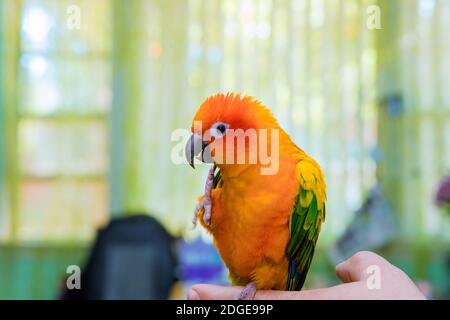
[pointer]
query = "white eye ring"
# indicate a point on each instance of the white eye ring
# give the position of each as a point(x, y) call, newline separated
point(219, 129)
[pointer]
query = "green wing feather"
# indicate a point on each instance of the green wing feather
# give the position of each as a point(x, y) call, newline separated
point(306, 220)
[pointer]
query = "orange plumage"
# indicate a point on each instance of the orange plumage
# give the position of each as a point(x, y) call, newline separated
point(264, 226)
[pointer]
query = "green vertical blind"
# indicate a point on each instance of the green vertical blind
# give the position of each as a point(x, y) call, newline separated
point(2, 137)
point(9, 50)
point(415, 140)
point(425, 75)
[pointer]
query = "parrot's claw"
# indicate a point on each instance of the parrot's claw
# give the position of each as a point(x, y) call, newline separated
point(206, 203)
point(207, 214)
point(249, 291)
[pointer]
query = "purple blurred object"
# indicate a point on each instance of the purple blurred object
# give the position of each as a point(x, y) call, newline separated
point(443, 194)
point(199, 262)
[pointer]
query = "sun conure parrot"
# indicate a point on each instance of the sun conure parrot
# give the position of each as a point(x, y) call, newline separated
point(265, 226)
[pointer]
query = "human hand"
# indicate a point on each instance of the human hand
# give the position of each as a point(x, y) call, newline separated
point(356, 273)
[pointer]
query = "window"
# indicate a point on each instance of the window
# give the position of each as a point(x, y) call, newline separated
point(61, 127)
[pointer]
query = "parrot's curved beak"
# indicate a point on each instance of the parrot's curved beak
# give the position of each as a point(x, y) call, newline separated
point(195, 148)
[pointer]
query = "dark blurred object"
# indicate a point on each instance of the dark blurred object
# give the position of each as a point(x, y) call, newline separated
point(443, 194)
point(132, 258)
point(372, 227)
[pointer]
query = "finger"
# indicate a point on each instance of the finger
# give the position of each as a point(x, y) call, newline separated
point(355, 268)
point(347, 291)
point(213, 292)
point(344, 291)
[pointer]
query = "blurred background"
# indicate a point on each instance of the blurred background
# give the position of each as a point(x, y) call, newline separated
point(91, 90)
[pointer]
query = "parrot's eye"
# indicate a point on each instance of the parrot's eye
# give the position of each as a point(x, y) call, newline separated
point(219, 129)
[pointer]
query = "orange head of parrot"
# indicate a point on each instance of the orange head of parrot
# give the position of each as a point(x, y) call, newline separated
point(228, 129)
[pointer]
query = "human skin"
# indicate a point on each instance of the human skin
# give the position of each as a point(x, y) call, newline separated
point(354, 273)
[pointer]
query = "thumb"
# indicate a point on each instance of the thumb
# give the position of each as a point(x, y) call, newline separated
point(356, 267)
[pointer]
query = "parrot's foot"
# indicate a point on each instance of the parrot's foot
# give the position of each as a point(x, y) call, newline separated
point(206, 203)
point(249, 291)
